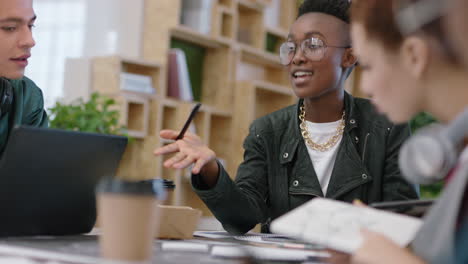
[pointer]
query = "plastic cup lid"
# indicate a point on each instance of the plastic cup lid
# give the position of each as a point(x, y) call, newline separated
point(115, 185)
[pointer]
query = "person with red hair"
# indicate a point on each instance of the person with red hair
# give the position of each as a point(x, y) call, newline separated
point(410, 66)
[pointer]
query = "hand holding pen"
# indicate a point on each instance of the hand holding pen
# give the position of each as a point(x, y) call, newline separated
point(189, 149)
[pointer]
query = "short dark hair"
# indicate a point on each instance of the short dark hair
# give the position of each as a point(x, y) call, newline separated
point(336, 8)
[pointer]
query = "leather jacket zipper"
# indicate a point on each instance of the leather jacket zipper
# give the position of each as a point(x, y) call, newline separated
point(365, 147)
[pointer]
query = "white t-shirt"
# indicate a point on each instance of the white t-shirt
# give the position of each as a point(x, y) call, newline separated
point(323, 161)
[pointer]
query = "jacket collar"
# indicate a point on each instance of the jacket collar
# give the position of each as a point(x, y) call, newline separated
point(351, 114)
point(351, 121)
point(347, 159)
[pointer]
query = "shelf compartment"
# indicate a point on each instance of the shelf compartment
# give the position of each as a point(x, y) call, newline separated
point(210, 71)
point(274, 37)
point(287, 15)
point(201, 124)
point(189, 35)
point(137, 116)
point(160, 16)
point(134, 113)
point(255, 5)
point(221, 130)
point(226, 3)
point(259, 56)
point(254, 99)
point(106, 74)
point(277, 99)
point(250, 29)
point(138, 161)
point(218, 73)
point(256, 64)
point(169, 118)
point(226, 24)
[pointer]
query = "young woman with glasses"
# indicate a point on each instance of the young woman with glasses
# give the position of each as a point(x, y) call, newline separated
point(410, 66)
point(329, 144)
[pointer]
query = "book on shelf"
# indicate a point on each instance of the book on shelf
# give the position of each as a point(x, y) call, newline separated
point(196, 14)
point(136, 83)
point(179, 85)
point(195, 57)
point(173, 89)
point(337, 225)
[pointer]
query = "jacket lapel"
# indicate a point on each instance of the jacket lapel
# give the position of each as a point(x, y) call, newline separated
point(303, 169)
point(348, 171)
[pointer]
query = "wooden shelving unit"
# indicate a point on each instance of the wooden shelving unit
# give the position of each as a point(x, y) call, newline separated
point(240, 81)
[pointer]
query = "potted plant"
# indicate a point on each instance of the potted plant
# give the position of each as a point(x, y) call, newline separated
point(97, 115)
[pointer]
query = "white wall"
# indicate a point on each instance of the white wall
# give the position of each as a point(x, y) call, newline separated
point(76, 29)
point(114, 27)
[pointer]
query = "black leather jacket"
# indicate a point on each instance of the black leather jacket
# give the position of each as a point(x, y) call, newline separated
point(277, 174)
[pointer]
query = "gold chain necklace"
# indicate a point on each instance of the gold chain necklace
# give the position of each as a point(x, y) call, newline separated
point(327, 145)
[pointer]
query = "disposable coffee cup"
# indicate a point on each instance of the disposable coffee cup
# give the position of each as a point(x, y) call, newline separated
point(128, 216)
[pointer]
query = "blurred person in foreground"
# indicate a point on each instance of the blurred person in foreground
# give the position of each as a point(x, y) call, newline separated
point(407, 69)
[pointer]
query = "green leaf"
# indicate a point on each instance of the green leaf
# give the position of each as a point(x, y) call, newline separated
point(93, 115)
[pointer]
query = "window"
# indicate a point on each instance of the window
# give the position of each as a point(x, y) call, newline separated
point(59, 34)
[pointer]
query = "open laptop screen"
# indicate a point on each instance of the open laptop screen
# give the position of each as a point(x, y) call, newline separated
point(47, 180)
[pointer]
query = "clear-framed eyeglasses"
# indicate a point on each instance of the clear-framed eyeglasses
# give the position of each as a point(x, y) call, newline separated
point(313, 49)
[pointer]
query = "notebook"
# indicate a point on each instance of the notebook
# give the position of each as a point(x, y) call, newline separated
point(338, 225)
point(48, 177)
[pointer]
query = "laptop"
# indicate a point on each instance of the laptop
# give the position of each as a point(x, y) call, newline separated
point(48, 179)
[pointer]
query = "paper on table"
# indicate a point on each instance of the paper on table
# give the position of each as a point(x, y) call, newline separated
point(185, 246)
point(228, 251)
point(257, 237)
point(338, 225)
point(265, 253)
point(16, 260)
point(43, 254)
point(212, 242)
point(212, 234)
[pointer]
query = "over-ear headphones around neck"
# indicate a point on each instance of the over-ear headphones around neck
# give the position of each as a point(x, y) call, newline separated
point(432, 152)
point(6, 96)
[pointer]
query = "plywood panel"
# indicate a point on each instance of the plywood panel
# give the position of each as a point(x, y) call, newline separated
point(106, 75)
point(217, 78)
point(250, 28)
point(160, 17)
point(243, 115)
point(221, 133)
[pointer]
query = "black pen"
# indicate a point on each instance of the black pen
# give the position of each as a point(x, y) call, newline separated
point(189, 120)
